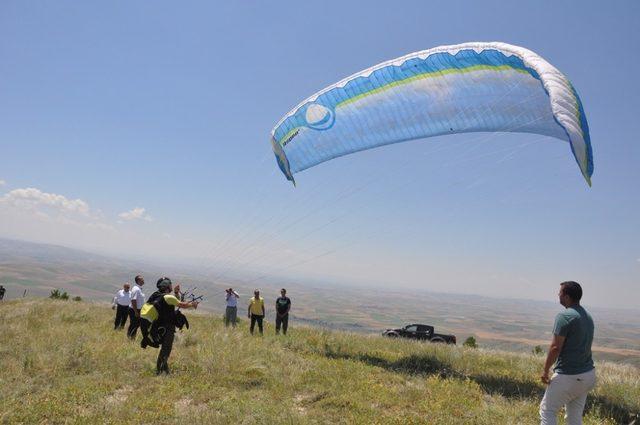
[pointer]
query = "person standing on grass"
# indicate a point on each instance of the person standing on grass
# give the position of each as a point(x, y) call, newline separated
point(283, 305)
point(231, 312)
point(121, 303)
point(158, 317)
point(137, 301)
point(574, 374)
point(256, 311)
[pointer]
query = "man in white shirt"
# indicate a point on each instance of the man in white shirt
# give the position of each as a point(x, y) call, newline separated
point(231, 312)
point(137, 301)
point(121, 305)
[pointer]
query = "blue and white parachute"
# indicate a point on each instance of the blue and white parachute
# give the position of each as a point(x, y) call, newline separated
point(471, 87)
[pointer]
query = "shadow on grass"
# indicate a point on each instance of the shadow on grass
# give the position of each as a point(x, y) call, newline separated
point(495, 385)
point(412, 365)
point(610, 409)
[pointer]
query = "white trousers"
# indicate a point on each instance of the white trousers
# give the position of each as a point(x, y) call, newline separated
point(569, 391)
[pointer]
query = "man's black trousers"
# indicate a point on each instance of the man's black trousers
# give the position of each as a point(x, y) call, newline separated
point(162, 365)
point(284, 321)
point(134, 323)
point(255, 318)
point(122, 311)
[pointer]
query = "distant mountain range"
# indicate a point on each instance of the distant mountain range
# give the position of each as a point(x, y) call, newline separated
point(39, 268)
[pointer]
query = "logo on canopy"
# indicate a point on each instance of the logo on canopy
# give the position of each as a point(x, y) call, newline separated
point(319, 117)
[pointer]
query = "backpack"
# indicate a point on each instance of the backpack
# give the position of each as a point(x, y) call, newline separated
point(167, 316)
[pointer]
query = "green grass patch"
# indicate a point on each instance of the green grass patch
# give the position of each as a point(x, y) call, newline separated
point(61, 362)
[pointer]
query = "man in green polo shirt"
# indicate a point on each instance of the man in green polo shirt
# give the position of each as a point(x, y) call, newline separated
point(570, 350)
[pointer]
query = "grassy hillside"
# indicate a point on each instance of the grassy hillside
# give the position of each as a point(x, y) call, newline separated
point(60, 362)
point(506, 324)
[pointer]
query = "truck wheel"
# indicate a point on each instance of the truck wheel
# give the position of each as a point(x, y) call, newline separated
point(392, 335)
point(438, 340)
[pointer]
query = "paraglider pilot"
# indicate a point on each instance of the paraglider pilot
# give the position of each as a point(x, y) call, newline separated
point(159, 324)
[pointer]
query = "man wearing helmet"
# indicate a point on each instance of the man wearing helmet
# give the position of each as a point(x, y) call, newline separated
point(160, 321)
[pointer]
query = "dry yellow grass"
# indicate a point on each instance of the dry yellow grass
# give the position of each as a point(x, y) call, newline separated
point(60, 362)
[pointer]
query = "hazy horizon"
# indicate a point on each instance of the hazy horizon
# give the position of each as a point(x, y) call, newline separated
point(200, 271)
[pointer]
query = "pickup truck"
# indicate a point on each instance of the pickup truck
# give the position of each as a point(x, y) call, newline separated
point(421, 332)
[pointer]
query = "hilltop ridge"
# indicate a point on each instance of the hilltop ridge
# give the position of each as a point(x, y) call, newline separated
point(63, 363)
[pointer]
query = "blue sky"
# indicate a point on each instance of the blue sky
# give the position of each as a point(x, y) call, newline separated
point(142, 128)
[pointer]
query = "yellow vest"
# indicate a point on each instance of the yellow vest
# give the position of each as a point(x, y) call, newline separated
point(150, 313)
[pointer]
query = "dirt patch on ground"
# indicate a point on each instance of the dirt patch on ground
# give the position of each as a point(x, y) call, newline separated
point(186, 407)
point(119, 396)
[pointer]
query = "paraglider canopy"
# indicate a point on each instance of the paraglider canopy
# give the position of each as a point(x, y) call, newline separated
point(471, 87)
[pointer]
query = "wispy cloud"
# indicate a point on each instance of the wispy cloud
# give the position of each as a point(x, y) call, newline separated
point(138, 213)
point(51, 208)
point(33, 214)
point(2, 182)
point(35, 200)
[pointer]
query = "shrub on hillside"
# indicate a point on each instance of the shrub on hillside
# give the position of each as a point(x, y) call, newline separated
point(470, 342)
point(537, 350)
point(77, 298)
point(59, 294)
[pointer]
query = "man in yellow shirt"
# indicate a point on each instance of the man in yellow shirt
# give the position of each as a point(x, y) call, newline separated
point(256, 311)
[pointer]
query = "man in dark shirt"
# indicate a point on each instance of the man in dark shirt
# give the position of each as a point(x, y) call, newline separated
point(570, 350)
point(283, 305)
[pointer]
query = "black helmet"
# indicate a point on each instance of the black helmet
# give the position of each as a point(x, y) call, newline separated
point(163, 283)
